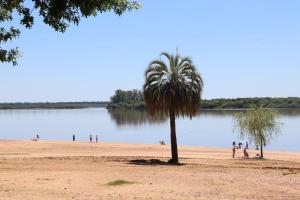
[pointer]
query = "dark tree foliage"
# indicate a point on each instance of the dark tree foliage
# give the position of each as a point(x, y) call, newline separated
point(58, 14)
point(131, 96)
point(131, 99)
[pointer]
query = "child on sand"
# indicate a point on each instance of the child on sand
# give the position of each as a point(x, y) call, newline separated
point(257, 156)
point(246, 154)
point(240, 145)
point(233, 149)
point(161, 142)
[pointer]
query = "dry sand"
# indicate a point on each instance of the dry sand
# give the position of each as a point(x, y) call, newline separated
point(65, 170)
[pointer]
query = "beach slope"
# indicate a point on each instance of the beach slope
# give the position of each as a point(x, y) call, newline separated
point(66, 170)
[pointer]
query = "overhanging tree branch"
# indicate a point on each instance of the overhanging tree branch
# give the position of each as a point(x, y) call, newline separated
point(58, 14)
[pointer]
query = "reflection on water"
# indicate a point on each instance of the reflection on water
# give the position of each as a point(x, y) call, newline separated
point(289, 112)
point(138, 118)
point(134, 117)
point(207, 128)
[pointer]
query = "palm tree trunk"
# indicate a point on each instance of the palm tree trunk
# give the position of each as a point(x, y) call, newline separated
point(261, 149)
point(173, 138)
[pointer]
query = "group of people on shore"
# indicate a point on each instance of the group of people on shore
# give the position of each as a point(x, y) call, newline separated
point(37, 138)
point(91, 138)
point(234, 145)
point(240, 146)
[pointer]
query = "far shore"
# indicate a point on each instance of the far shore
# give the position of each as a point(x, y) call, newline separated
point(52, 105)
point(206, 104)
point(82, 170)
point(122, 109)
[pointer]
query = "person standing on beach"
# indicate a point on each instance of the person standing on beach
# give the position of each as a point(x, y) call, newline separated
point(233, 149)
point(91, 138)
point(73, 137)
point(37, 137)
point(247, 146)
point(96, 138)
point(240, 145)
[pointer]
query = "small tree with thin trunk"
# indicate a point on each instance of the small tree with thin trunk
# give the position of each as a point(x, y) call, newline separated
point(173, 88)
point(258, 125)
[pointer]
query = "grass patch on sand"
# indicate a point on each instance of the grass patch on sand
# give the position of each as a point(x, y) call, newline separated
point(119, 182)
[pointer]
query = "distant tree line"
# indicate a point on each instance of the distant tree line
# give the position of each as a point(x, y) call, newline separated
point(133, 99)
point(57, 105)
point(246, 103)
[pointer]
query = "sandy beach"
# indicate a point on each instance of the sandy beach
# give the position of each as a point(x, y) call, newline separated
point(83, 171)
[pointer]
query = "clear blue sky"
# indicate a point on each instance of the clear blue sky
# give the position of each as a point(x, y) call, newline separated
point(242, 49)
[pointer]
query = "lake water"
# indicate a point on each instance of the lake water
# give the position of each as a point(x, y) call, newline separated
point(208, 128)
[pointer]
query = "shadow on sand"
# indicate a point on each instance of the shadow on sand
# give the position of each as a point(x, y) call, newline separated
point(152, 162)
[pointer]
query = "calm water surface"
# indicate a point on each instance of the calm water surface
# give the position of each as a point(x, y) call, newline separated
point(209, 128)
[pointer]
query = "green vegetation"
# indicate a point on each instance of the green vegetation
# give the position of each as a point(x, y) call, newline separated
point(173, 88)
point(58, 14)
point(58, 105)
point(127, 100)
point(239, 103)
point(260, 125)
point(119, 183)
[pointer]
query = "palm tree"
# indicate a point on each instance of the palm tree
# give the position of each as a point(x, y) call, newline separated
point(173, 88)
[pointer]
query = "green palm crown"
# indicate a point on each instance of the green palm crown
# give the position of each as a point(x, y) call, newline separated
point(173, 86)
